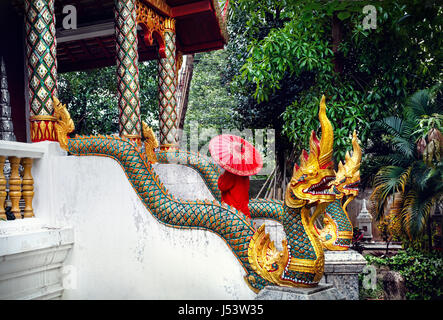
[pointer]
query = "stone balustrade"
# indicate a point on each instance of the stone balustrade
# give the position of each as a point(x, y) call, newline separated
point(18, 184)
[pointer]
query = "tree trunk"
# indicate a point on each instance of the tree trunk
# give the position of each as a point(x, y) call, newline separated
point(183, 93)
point(337, 37)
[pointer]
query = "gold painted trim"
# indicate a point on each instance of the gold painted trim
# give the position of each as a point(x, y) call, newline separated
point(131, 136)
point(168, 146)
point(64, 124)
point(159, 5)
point(169, 24)
point(150, 142)
point(42, 118)
point(307, 265)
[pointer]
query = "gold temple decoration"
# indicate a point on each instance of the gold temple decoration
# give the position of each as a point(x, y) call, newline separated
point(266, 260)
point(15, 186)
point(315, 168)
point(42, 128)
point(151, 20)
point(27, 187)
point(136, 138)
point(170, 24)
point(150, 142)
point(2, 188)
point(346, 182)
point(348, 175)
point(64, 124)
point(327, 136)
point(309, 185)
point(160, 5)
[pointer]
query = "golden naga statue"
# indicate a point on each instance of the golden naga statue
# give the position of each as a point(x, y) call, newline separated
point(64, 124)
point(302, 257)
point(299, 264)
point(150, 142)
point(337, 231)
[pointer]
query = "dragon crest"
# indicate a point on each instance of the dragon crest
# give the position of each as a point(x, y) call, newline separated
point(347, 177)
point(309, 186)
point(310, 181)
point(150, 142)
point(336, 233)
point(64, 124)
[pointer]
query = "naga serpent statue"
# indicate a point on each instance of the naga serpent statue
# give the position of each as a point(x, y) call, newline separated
point(300, 263)
point(336, 234)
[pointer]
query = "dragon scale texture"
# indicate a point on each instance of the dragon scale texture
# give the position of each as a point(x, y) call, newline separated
point(230, 224)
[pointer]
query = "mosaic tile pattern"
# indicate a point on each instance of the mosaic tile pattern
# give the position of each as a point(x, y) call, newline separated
point(128, 86)
point(300, 244)
point(205, 166)
point(167, 92)
point(42, 67)
point(225, 221)
point(342, 222)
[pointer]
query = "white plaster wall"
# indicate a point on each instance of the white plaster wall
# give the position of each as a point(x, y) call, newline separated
point(121, 251)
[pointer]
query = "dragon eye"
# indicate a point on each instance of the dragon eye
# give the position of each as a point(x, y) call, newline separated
point(302, 178)
point(343, 181)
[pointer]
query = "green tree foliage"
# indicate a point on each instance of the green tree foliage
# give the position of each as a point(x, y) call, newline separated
point(299, 50)
point(422, 272)
point(91, 98)
point(210, 103)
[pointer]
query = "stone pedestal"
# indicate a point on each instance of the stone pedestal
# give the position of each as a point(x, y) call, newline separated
point(342, 269)
point(320, 292)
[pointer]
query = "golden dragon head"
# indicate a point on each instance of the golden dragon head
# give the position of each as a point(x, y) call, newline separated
point(150, 142)
point(64, 124)
point(310, 181)
point(347, 177)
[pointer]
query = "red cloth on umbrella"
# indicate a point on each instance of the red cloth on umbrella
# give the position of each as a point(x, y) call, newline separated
point(235, 155)
point(235, 191)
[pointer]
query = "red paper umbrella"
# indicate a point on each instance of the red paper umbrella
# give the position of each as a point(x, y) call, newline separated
point(235, 155)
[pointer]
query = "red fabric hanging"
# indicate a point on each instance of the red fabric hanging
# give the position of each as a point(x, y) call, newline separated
point(235, 191)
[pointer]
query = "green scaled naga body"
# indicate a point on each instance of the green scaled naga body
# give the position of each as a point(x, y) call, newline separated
point(301, 261)
point(336, 234)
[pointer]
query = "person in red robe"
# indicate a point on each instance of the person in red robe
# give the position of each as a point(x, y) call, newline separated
point(235, 191)
point(240, 160)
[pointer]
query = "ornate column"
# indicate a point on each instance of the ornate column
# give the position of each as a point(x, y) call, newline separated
point(15, 186)
point(27, 187)
point(128, 86)
point(167, 69)
point(42, 67)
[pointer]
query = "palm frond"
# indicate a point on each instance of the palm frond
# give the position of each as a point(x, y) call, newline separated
point(390, 125)
point(387, 181)
point(392, 178)
point(404, 146)
point(419, 105)
point(393, 159)
point(415, 212)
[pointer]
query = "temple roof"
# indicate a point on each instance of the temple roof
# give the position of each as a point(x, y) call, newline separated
point(199, 27)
